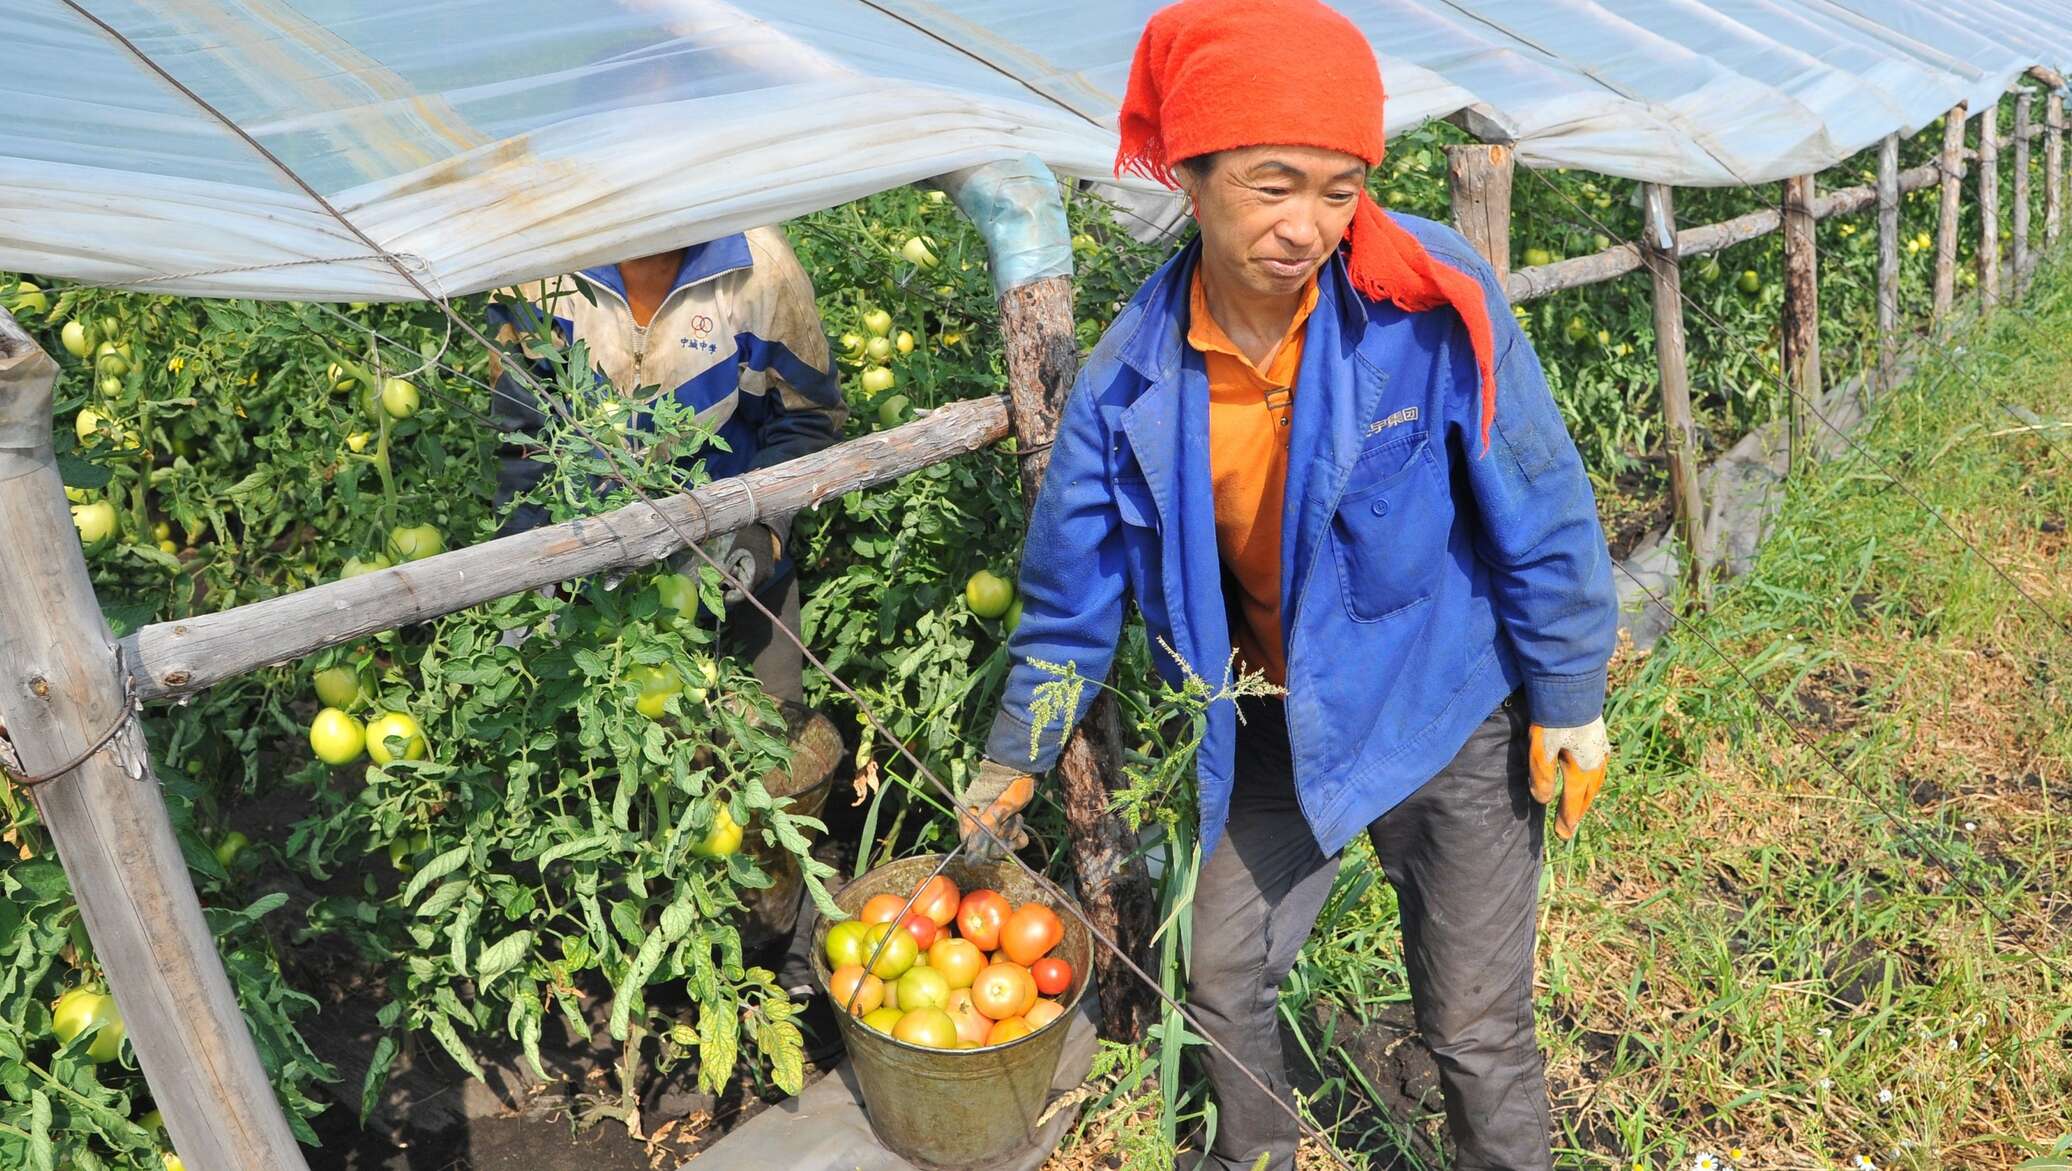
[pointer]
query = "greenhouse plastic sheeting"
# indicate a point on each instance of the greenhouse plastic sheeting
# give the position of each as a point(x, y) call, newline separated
point(487, 141)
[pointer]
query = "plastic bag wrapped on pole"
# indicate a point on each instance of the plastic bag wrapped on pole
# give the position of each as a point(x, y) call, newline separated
point(1016, 207)
point(479, 143)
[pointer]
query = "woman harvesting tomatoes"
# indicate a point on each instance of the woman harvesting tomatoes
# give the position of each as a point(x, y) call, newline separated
point(1317, 439)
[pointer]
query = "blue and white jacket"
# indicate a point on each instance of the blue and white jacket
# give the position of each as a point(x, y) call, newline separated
point(738, 338)
point(1423, 579)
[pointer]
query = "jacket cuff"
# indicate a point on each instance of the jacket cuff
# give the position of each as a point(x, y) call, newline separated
point(1008, 744)
point(1565, 701)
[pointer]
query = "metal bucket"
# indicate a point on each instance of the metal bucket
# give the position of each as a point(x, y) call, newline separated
point(958, 1109)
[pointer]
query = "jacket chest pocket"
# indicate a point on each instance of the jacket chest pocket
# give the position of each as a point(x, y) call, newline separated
point(1388, 533)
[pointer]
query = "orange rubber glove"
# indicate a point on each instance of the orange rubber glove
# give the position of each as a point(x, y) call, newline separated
point(996, 797)
point(1577, 756)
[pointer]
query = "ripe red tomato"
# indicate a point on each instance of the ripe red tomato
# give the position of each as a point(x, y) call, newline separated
point(980, 917)
point(1052, 975)
point(938, 900)
point(852, 981)
point(881, 908)
point(1030, 932)
point(972, 1025)
point(921, 928)
point(1003, 991)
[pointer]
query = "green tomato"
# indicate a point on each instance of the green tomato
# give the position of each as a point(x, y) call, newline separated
point(1013, 618)
point(30, 299)
point(355, 566)
point(877, 322)
point(337, 738)
point(1709, 271)
point(923, 987)
point(339, 377)
point(399, 398)
point(84, 1009)
point(679, 593)
point(988, 594)
point(657, 684)
point(894, 410)
point(1750, 282)
point(1534, 257)
point(852, 344)
point(899, 954)
point(231, 845)
point(78, 338)
point(340, 687)
point(415, 542)
point(96, 522)
point(1577, 329)
point(401, 851)
point(388, 729)
point(877, 380)
point(904, 343)
point(724, 836)
point(919, 251)
point(845, 945)
point(878, 349)
point(87, 425)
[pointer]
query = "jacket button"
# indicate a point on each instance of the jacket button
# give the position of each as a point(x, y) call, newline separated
point(1381, 508)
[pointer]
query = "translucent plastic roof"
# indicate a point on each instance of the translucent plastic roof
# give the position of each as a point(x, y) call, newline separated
point(488, 141)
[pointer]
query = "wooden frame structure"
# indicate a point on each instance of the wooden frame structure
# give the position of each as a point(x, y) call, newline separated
point(68, 688)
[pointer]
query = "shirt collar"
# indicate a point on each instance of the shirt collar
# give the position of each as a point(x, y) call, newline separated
point(1205, 335)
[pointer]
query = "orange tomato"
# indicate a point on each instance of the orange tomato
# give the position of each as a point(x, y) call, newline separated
point(972, 1025)
point(938, 900)
point(1012, 1029)
point(931, 1028)
point(1052, 975)
point(843, 984)
point(1043, 1012)
point(980, 916)
point(1003, 990)
point(958, 960)
point(1030, 932)
point(881, 908)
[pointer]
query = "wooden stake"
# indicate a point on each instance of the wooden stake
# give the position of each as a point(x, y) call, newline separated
point(1989, 207)
point(1952, 167)
point(60, 693)
point(1801, 323)
point(2023, 103)
point(1658, 237)
point(167, 659)
point(1888, 260)
point(1478, 176)
point(1114, 885)
point(2053, 168)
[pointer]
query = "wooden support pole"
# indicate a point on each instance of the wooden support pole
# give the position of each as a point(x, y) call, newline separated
point(1478, 177)
point(1888, 260)
point(2024, 103)
point(60, 692)
point(1952, 167)
point(1114, 884)
point(1801, 322)
point(2053, 168)
point(1989, 207)
point(167, 659)
point(1658, 237)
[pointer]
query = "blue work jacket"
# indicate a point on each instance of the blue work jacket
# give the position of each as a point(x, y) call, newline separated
point(1424, 578)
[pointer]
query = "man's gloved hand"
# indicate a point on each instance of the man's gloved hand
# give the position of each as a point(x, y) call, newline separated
point(1578, 755)
point(996, 797)
point(748, 556)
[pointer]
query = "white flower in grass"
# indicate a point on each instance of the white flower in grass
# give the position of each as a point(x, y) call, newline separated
point(1863, 1163)
point(1952, 1044)
point(1827, 1083)
point(1970, 826)
point(1706, 1161)
point(1884, 1097)
point(1824, 1031)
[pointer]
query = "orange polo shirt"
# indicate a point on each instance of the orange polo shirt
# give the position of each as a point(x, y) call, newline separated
point(1250, 412)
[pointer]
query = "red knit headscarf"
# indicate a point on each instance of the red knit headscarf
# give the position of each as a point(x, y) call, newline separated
point(1214, 75)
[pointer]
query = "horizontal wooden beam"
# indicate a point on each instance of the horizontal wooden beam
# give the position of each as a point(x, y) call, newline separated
point(168, 659)
point(1524, 284)
point(2047, 76)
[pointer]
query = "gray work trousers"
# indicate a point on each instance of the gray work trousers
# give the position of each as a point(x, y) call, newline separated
point(1463, 853)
